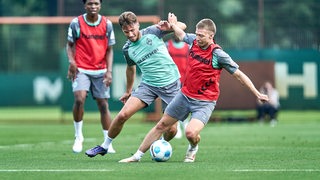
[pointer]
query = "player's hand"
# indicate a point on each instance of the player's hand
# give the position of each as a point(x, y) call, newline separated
point(164, 26)
point(172, 19)
point(263, 98)
point(107, 79)
point(125, 97)
point(72, 71)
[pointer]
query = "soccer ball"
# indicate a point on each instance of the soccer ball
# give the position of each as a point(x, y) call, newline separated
point(160, 151)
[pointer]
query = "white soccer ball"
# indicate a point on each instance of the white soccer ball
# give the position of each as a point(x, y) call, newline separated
point(160, 151)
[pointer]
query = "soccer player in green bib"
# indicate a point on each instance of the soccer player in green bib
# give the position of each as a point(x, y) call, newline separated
point(160, 76)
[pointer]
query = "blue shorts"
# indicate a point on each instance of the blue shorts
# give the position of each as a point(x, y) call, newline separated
point(92, 83)
point(149, 94)
point(181, 106)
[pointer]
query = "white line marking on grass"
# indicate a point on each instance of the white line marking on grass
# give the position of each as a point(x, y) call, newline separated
point(276, 170)
point(48, 143)
point(56, 170)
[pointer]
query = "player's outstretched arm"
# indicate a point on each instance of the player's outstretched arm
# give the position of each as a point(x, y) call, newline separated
point(244, 79)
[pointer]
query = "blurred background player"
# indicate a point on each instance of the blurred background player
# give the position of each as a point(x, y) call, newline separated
point(179, 50)
point(90, 54)
point(268, 109)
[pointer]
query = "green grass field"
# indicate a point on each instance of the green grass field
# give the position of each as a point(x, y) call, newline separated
point(36, 144)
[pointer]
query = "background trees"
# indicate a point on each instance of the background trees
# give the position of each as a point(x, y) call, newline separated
point(242, 24)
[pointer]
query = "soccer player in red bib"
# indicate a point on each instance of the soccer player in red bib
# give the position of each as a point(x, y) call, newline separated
point(200, 90)
point(90, 54)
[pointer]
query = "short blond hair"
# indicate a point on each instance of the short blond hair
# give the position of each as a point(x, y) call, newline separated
point(207, 24)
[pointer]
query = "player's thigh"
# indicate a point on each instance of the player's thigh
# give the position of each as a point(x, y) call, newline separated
point(145, 93)
point(167, 121)
point(201, 110)
point(98, 87)
point(132, 105)
point(167, 93)
point(81, 83)
point(178, 108)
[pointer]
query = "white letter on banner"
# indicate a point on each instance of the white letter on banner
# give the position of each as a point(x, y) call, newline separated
point(43, 88)
point(307, 80)
point(119, 81)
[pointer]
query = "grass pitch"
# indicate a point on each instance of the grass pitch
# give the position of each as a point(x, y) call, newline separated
point(41, 149)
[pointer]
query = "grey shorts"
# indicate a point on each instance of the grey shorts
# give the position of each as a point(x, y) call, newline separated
point(181, 106)
point(92, 83)
point(148, 94)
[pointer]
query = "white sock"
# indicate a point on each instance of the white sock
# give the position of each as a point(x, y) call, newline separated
point(105, 133)
point(138, 155)
point(106, 143)
point(78, 129)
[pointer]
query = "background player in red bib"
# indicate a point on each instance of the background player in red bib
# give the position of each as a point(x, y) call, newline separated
point(200, 90)
point(90, 54)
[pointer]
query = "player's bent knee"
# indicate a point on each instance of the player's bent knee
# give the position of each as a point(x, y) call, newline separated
point(191, 135)
point(78, 102)
point(172, 130)
point(122, 117)
point(162, 127)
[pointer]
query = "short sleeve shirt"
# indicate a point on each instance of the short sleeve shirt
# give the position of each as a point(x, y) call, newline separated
point(220, 58)
point(150, 54)
point(74, 30)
